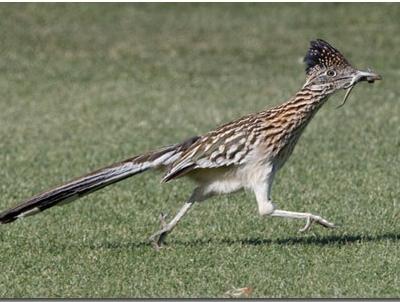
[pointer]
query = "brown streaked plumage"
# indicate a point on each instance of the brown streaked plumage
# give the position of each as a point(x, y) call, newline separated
point(243, 154)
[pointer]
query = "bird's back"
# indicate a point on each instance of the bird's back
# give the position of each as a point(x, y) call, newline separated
point(267, 137)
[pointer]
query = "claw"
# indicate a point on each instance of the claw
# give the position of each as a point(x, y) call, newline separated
point(329, 225)
point(157, 239)
point(325, 223)
point(308, 225)
point(311, 219)
point(163, 220)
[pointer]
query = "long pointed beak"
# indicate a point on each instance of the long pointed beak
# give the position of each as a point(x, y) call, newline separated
point(368, 76)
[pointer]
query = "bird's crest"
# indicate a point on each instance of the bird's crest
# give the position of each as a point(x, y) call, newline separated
point(322, 55)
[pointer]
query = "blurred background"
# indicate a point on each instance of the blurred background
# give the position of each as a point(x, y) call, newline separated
point(86, 85)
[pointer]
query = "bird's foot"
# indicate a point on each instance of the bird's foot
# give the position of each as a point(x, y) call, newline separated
point(157, 239)
point(163, 220)
point(314, 218)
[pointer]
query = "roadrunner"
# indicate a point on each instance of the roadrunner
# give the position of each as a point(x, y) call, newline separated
point(243, 154)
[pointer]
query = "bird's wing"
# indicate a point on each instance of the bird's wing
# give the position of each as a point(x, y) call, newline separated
point(228, 145)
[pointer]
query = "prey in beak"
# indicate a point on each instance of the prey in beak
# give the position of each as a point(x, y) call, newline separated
point(360, 76)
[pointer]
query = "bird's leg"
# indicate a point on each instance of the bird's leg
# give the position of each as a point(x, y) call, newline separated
point(310, 218)
point(157, 238)
point(262, 191)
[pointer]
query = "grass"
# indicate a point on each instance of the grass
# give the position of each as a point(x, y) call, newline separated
point(85, 85)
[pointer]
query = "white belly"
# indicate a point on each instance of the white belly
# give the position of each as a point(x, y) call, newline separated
point(225, 180)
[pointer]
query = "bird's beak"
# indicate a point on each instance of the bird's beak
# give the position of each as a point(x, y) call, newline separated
point(360, 76)
point(368, 76)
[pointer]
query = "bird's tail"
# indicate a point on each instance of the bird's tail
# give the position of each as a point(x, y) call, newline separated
point(94, 181)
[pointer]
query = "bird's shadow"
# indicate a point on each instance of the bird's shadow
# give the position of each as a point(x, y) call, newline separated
point(340, 240)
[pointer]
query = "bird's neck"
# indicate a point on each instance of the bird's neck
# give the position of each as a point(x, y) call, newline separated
point(298, 111)
point(308, 100)
point(304, 104)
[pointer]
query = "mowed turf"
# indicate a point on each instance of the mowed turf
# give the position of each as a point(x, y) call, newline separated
point(86, 85)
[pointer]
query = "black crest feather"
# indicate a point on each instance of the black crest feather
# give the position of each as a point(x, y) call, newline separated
point(323, 55)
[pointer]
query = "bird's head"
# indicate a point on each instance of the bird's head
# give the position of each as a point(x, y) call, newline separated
point(328, 70)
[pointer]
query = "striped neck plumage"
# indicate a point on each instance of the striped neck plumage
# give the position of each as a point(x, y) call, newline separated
point(309, 98)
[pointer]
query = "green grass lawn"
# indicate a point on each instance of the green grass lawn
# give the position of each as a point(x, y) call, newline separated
point(86, 85)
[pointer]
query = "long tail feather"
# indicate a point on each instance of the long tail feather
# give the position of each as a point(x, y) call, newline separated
point(94, 181)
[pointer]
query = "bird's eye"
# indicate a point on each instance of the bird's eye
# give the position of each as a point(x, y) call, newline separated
point(331, 73)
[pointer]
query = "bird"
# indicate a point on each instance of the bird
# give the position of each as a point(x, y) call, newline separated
point(244, 154)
